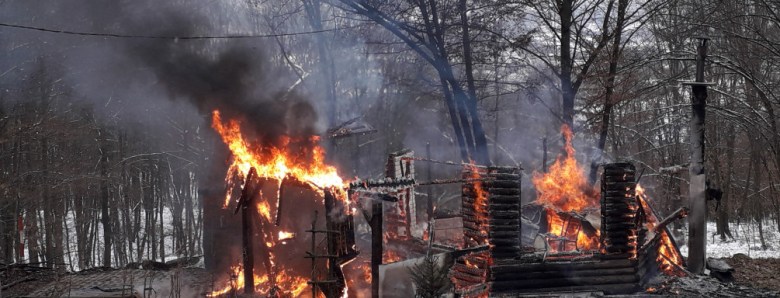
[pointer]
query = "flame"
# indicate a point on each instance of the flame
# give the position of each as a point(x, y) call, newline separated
point(285, 235)
point(651, 290)
point(480, 204)
point(390, 256)
point(300, 159)
point(668, 257)
point(566, 228)
point(264, 209)
point(273, 162)
point(290, 285)
point(564, 188)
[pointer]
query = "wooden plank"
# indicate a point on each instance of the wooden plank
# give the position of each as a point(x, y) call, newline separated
point(564, 282)
point(509, 276)
point(603, 264)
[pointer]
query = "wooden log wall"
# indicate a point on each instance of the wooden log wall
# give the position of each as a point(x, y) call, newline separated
point(503, 186)
point(618, 209)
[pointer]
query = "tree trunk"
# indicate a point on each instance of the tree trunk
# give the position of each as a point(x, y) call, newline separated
point(606, 114)
point(105, 214)
point(567, 91)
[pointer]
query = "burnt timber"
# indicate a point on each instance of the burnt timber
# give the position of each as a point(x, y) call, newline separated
point(503, 267)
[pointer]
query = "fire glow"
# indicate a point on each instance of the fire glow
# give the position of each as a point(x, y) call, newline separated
point(288, 160)
point(565, 188)
point(480, 204)
point(668, 257)
point(273, 162)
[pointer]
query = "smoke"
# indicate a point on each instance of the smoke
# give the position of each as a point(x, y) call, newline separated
point(231, 76)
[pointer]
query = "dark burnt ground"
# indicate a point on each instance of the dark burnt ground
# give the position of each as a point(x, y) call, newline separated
point(756, 273)
point(21, 279)
point(752, 278)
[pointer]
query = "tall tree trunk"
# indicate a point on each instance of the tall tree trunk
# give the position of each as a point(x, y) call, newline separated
point(480, 141)
point(161, 206)
point(565, 11)
point(606, 114)
point(32, 235)
point(105, 214)
point(327, 69)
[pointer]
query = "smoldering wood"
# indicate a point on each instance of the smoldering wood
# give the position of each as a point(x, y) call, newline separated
point(340, 244)
point(680, 213)
point(375, 223)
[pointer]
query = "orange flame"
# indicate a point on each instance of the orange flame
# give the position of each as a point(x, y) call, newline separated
point(285, 235)
point(271, 162)
point(287, 159)
point(390, 256)
point(565, 188)
point(668, 257)
point(290, 285)
point(480, 204)
point(264, 209)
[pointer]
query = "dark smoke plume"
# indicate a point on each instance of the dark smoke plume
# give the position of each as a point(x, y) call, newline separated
point(231, 76)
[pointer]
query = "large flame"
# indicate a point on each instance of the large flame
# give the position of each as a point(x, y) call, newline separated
point(564, 188)
point(287, 159)
point(274, 162)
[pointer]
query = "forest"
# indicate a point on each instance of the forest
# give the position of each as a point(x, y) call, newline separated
point(110, 156)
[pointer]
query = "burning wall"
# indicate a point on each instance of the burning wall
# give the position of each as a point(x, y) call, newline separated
point(608, 240)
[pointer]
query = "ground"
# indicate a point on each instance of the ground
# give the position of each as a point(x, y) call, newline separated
point(757, 273)
point(39, 282)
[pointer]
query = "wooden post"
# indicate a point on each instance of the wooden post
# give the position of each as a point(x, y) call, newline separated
point(428, 191)
point(246, 205)
point(697, 221)
point(376, 246)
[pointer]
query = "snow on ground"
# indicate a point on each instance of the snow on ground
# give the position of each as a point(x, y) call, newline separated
point(71, 244)
point(746, 241)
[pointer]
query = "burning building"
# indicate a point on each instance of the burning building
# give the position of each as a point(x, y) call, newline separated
point(285, 189)
point(573, 237)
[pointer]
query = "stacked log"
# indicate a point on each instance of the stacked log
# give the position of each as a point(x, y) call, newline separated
point(618, 276)
point(469, 274)
point(618, 209)
point(504, 224)
point(473, 208)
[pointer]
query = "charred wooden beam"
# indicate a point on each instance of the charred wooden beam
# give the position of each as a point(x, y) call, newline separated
point(382, 183)
point(376, 246)
point(246, 206)
point(678, 214)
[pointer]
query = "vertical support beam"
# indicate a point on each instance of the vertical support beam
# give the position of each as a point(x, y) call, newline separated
point(428, 189)
point(313, 251)
point(246, 231)
point(376, 246)
point(697, 222)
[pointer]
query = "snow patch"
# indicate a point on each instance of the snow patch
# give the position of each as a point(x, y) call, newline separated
point(746, 241)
